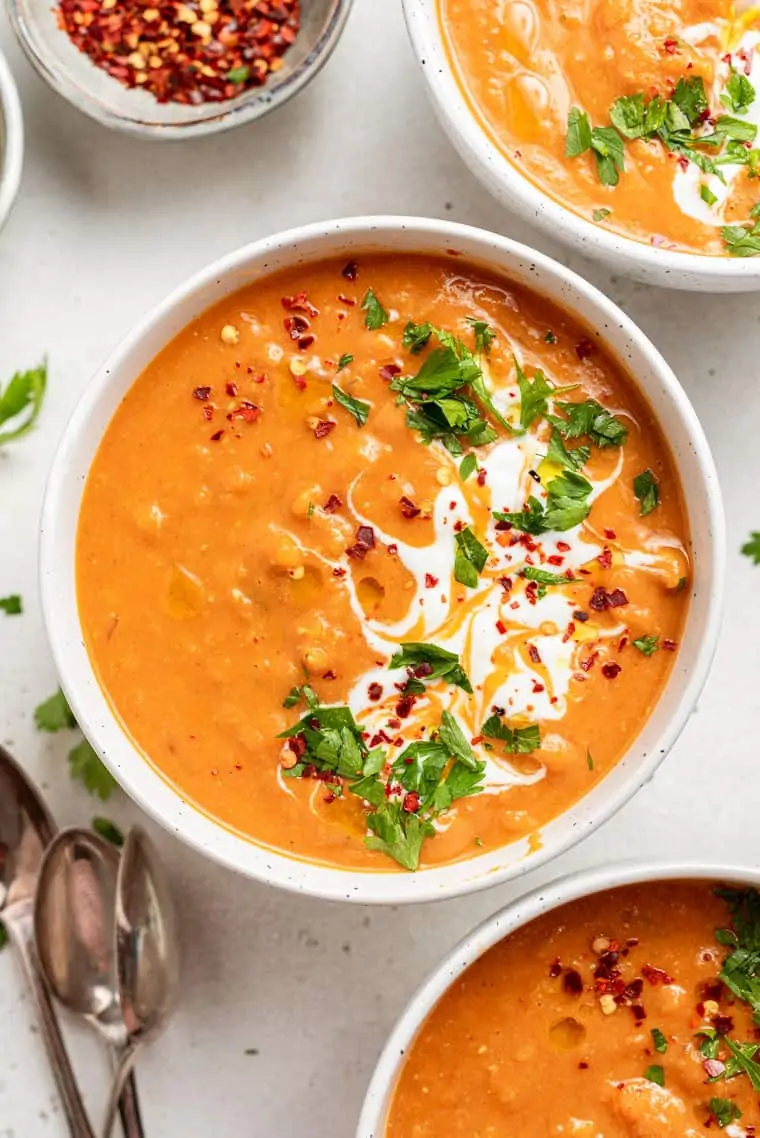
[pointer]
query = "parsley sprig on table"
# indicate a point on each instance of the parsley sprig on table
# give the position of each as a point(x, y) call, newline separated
point(54, 715)
point(21, 402)
point(403, 796)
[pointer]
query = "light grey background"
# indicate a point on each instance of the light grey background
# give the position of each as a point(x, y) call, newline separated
point(105, 227)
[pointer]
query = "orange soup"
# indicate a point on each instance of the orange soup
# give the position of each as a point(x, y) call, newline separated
point(628, 1014)
point(383, 563)
point(640, 115)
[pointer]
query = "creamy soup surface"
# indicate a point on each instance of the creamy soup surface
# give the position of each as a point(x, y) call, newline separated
point(383, 563)
point(628, 1014)
point(669, 88)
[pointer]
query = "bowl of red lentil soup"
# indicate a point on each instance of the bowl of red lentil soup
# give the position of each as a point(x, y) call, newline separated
point(413, 650)
point(181, 68)
point(11, 141)
point(620, 1001)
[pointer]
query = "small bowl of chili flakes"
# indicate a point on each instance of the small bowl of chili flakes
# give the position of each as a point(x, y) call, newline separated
point(177, 68)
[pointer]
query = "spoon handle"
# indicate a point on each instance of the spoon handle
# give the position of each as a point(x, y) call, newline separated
point(120, 1089)
point(18, 921)
point(129, 1109)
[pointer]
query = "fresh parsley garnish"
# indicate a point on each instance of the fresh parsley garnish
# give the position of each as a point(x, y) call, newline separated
point(739, 94)
point(239, 74)
point(707, 195)
point(468, 466)
point(355, 407)
point(604, 142)
point(566, 506)
point(484, 335)
point(302, 692)
point(592, 419)
point(751, 548)
point(375, 315)
point(534, 396)
point(659, 1040)
point(740, 240)
point(21, 402)
point(108, 830)
point(54, 714)
point(11, 605)
point(589, 759)
point(544, 578)
point(442, 664)
point(518, 740)
point(647, 645)
point(647, 490)
point(601, 214)
point(724, 1111)
point(344, 361)
point(743, 1061)
point(416, 337)
point(655, 1074)
point(573, 458)
point(470, 558)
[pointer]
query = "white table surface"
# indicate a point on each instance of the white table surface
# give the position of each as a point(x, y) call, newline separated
point(105, 226)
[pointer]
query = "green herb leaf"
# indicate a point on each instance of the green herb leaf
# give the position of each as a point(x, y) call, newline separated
point(601, 214)
point(647, 645)
point(659, 1040)
point(647, 490)
point(519, 740)
point(416, 337)
point(739, 241)
point(724, 1111)
point(468, 466)
point(86, 767)
point(707, 195)
point(11, 605)
point(655, 1074)
point(549, 337)
point(751, 548)
point(534, 396)
point(108, 830)
point(743, 1061)
point(571, 458)
point(590, 418)
point(344, 361)
point(304, 692)
point(578, 138)
point(21, 402)
point(470, 558)
point(531, 519)
point(54, 714)
point(609, 152)
point(530, 573)
point(355, 407)
point(445, 665)
point(567, 504)
point(398, 833)
point(376, 316)
point(238, 74)
point(589, 759)
point(484, 335)
point(739, 94)
point(690, 98)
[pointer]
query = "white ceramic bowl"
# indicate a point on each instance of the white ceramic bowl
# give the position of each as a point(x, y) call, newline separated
point(11, 141)
point(302, 246)
point(90, 89)
point(643, 262)
point(379, 1097)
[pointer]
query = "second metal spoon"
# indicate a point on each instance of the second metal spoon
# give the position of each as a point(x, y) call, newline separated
point(75, 930)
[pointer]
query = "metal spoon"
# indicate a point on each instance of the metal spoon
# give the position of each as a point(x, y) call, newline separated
point(26, 828)
point(75, 927)
point(147, 951)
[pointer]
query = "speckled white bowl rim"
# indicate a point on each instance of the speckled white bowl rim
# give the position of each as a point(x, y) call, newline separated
point(347, 238)
point(646, 263)
point(583, 883)
point(12, 143)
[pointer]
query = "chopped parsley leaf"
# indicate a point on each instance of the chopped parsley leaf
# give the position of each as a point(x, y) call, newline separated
point(444, 664)
point(305, 693)
point(743, 1061)
point(470, 558)
point(655, 1074)
point(572, 458)
point(355, 407)
point(659, 1040)
point(54, 714)
point(11, 605)
point(238, 74)
point(310, 510)
point(484, 335)
point(21, 402)
point(647, 490)
point(417, 336)
point(609, 152)
point(549, 337)
point(740, 240)
point(739, 94)
point(724, 1111)
point(3, 936)
point(647, 645)
point(578, 137)
point(534, 396)
point(707, 195)
point(519, 740)
point(592, 419)
point(589, 759)
point(751, 548)
point(566, 506)
point(601, 214)
point(344, 361)
point(376, 316)
point(544, 578)
point(108, 830)
point(468, 466)
point(86, 767)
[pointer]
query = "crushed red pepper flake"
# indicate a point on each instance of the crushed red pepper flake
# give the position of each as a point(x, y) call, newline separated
point(669, 645)
point(430, 581)
point(299, 303)
point(323, 428)
point(231, 389)
point(601, 599)
point(375, 692)
point(208, 412)
point(408, 508)
point(202, 393)
point(611, 670)
point(216, 436)
point(605, 558)
point(350, 271)
point(180, 53)
point(655, 976)
point(389, 371)
point(584, 349)
point(332, 504)
point(246, 411)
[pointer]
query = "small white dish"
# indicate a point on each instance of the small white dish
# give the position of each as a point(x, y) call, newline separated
point(374, 1115)
point(647, 263)
point(299, 247)
point(11, 141)
point(103, 98)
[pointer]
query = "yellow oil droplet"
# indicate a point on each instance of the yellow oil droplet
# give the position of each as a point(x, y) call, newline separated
point(185, 594)
point(567, 1034)
point(371, 595)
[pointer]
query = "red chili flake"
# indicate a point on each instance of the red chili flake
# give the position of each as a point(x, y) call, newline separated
point(365, 535)
point(501, 627)
point(346, 300)
point(480, 478)
point(533, 652)
point(350, 271)
point(655, 976)
point(506, 584)
point(216, 436)
point(572, 982)
point(581, 616)
point(408, 508)
point(299, 303)
point(568, 632)
point(332, 504)
point(537, 687)
point(231, 389)
point(555, 968)
point(305, 342)
point(583, 1065)
point(531, 591)
point(330, 798)
point(404, 706)
point(589, 662)
point(389, 371)
point(670, 46)
point(430, 581)
point(248, 412)
point(713, 1068)
point(411, 803)
point(204, 61)
point(563, 547)
point(201, 393)
point(375, 692)
point(605, 558)
point(422, 670)
point(601, 599)
point(584, 349)
point(611, 670)
point(295, 326)
point(724, 1025)
point(297, 745)
point(610, 534)
point(555, 559)
point(208, 413)
point(329, 675)
point(669, 645)
point(323, 428)
point(300, 382)
point(338, 572)
point(393, 549)
point(639, 1013)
